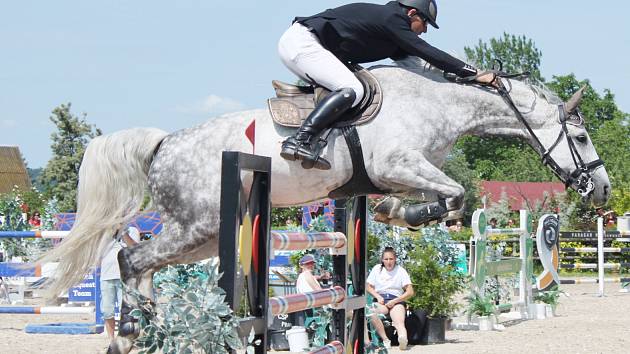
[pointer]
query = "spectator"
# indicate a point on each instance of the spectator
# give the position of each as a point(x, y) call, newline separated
point(390, 286)
point(308, 282)
point(510, 224)
point(457, 227)
point(35, 221)
point(111, 286)
point(493, 223)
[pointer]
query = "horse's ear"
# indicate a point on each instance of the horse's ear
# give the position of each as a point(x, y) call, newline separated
point(573, 102)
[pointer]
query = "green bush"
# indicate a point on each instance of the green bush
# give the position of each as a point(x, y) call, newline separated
point(434, 283)
point(191, 316)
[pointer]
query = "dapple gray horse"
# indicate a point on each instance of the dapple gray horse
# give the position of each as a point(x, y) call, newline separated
point(421, 118)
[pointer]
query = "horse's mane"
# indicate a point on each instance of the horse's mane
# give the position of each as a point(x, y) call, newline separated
point(425, 69)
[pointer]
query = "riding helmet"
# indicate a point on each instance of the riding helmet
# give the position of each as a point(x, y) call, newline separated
point(427, 8)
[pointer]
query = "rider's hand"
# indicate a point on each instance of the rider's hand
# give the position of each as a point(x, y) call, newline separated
point(487, 78)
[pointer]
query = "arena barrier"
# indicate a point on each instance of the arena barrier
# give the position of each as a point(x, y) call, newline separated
point(601, 266)
point(481, 268)
point(24, 270)
point(245, 243)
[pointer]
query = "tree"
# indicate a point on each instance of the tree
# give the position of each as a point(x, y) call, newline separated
point(518, 54)
point(61, 174)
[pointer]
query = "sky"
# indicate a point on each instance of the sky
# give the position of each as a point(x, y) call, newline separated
point(175, 64)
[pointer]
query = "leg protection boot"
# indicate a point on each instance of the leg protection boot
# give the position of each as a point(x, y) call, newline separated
point(303, 145)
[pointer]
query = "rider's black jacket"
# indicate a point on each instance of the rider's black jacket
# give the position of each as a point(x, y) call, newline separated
point(361, 33)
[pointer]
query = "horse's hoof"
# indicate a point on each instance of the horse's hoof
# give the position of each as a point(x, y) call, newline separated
point(388, 206)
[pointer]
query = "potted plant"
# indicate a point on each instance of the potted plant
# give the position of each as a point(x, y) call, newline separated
point(435, 283)
point(550, 298)
point(484, 308)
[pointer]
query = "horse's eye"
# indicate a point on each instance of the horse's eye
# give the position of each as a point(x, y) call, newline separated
point(582, 138)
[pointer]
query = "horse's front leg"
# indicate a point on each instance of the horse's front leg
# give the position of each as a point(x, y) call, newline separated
point(423, 179)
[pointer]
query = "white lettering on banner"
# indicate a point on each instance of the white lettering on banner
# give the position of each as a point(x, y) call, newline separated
point(81, 293)
point(85, 285)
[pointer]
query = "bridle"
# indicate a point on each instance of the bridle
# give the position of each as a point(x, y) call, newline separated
point(581, 178)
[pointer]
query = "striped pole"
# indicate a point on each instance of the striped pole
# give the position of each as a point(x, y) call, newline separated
point(33, 234)
point(301, 241)
point(335, 347)
point(298, 302)
point(615, 266)
point(593, 280)
point(51, 310)
point(594, 249)
point(20, 270)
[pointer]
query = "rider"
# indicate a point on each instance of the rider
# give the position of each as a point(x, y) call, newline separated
point(317, 49)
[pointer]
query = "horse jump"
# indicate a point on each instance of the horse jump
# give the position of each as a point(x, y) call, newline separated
point(35, 270)
point(601, 266)
point(245, 227)
point(481, 269)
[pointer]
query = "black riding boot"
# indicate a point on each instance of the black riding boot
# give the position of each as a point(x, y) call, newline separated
point(303, 145)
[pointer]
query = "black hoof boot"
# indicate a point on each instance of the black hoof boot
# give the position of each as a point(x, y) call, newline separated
point(416, 215)
point(128, 325)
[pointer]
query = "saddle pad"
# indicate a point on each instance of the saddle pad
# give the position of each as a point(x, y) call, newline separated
point(291, 111)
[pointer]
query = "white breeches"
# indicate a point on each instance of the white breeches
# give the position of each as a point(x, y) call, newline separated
point(301, 51)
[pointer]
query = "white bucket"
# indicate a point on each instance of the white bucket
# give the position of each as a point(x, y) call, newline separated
point(298, 339)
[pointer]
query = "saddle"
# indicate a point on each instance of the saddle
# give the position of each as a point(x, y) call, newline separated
point(294, 103)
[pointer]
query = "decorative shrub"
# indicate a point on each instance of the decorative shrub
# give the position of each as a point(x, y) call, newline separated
point(190, 317)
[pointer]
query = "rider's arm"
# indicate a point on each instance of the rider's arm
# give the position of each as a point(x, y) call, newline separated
point(408, 41)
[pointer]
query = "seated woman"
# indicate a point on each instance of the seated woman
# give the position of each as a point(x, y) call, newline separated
point(390, 286)
point(308, 282)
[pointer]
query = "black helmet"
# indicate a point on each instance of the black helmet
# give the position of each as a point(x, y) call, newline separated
point(426, 8)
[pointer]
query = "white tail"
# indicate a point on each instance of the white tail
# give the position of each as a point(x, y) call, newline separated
point(112, 183)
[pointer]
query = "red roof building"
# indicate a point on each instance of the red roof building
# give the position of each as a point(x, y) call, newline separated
point(520, 194)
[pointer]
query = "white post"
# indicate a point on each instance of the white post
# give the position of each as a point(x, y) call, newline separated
point(522, 289)
point(600, 254)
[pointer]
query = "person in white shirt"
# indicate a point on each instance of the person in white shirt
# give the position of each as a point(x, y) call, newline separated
point(308, 282)
point(111, 286)
point(390, 286)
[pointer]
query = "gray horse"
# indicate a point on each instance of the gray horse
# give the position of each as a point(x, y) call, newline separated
point(421, 118)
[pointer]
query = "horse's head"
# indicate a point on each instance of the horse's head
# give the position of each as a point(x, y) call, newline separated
point(568, 150)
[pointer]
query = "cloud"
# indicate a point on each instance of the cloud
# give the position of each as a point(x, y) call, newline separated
point(212, 104)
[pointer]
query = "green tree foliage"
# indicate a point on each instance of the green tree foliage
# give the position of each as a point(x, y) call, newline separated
point(518, 54)
point(61, 174)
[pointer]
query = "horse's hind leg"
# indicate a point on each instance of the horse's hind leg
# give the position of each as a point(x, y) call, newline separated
point(138, 263)
point(427, 180)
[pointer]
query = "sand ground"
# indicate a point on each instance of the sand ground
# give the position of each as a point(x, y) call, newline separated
point(585, 324)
